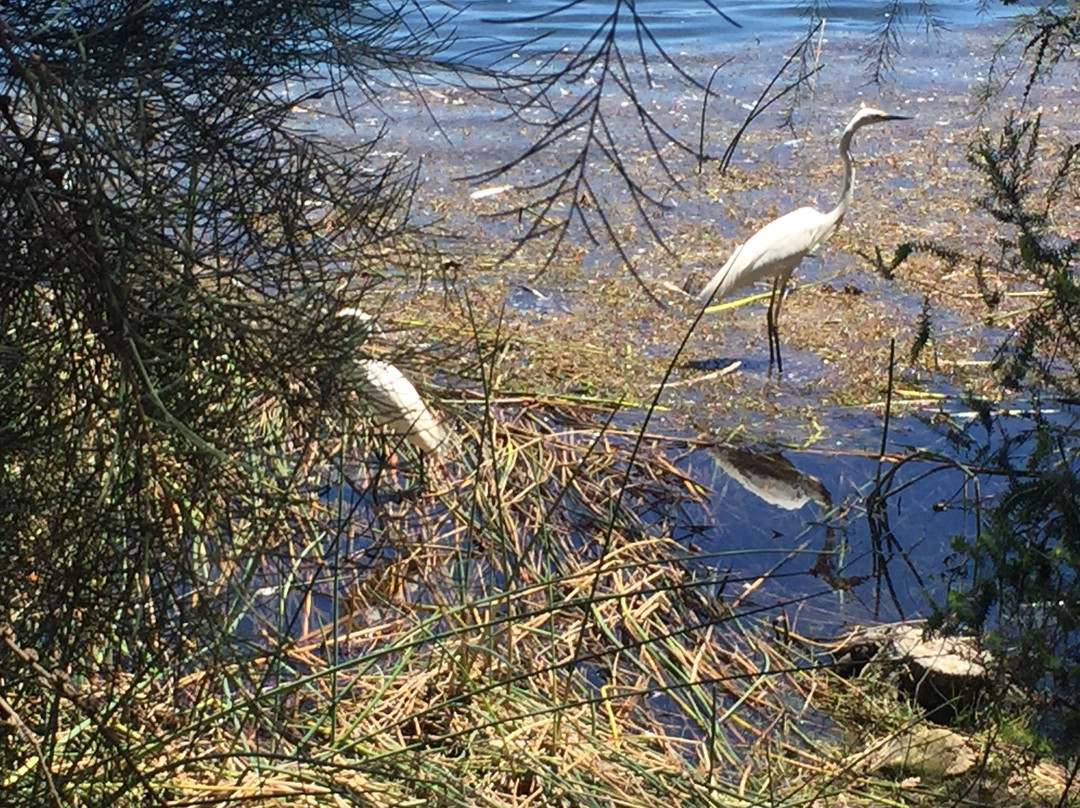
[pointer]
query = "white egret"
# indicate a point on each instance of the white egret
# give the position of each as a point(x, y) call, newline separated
point(777, 248)
point(396, 405)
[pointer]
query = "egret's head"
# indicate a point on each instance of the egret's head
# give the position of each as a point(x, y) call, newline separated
point(368, 323)
point(869, 115)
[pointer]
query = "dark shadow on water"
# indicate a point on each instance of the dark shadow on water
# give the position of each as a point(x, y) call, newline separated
point(714, 364)
point(799, 366)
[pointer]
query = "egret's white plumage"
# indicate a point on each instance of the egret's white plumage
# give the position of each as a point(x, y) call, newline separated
point(368, 321)
point(777, 248)
point(396, 405)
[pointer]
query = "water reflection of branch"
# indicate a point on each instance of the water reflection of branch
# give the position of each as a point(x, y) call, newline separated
point(825, 565)
point(882, 539)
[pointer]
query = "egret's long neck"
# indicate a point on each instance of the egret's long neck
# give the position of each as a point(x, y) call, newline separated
point(836, 215)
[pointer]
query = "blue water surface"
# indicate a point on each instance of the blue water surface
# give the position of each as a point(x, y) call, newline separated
point(703, 24)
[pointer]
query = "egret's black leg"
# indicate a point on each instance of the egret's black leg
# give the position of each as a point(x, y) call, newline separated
point(772, 317)
point(769, 329)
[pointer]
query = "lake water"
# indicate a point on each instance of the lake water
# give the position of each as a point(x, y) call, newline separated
point(699, 25)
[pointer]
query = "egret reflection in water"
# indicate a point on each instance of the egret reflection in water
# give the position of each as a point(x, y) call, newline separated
point(771, 477)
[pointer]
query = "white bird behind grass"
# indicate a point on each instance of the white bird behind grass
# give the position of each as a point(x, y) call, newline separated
point(397, 407)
